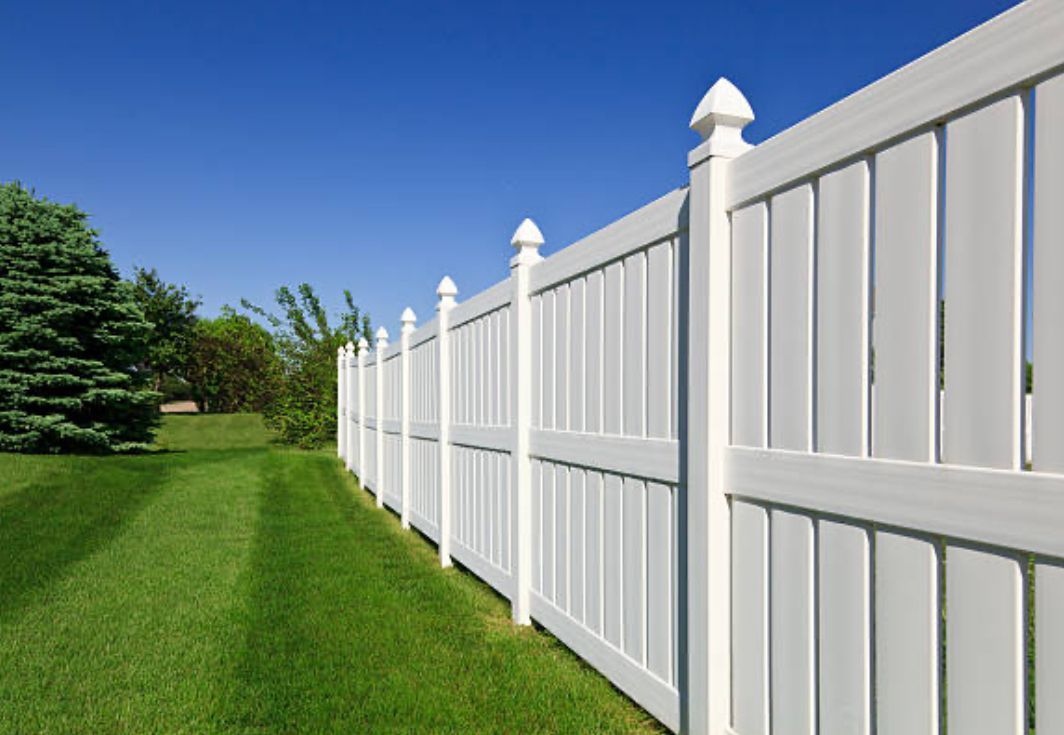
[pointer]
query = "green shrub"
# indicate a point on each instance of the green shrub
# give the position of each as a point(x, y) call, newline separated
point(232, 364)
point(303, 409)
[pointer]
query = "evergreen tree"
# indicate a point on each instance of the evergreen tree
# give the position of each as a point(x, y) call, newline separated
point(172, 313)
point(70, 336)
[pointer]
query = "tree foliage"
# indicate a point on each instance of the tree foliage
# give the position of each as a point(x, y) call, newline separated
point(303, 411)
point(71, 334)
point(172, 313)
point(232, 364)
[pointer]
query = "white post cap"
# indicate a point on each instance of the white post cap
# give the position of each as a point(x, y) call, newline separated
point(527, 239)
point(446, 291)
point(339, 351)
point(720, 118)
point(363, 345)
point(382, 338)
point(408, 319)
point(350, 349)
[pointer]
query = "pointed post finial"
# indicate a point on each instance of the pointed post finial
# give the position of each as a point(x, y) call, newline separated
point(340, 351)
point(382, 338)
point(363, 344)
point(408, 319)
point(527, 239)
point(350, 349)
point(720, 118)
point(446, 291)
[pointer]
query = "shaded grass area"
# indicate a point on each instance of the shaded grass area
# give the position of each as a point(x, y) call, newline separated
point(227, 585)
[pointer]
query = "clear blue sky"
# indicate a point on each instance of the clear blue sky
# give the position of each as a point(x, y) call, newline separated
point(240, 146)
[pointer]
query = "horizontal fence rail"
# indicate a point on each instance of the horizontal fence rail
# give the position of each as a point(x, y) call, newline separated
point(765, 452)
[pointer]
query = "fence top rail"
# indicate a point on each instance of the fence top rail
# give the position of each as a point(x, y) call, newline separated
point(394, 349)
point(1007, 52)
point(483, 303)
point(661, 219)
point(425, 332)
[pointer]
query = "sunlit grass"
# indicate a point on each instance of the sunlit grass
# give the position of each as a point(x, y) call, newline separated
point(227, 585)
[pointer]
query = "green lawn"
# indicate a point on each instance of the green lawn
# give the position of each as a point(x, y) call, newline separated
point(224, 585)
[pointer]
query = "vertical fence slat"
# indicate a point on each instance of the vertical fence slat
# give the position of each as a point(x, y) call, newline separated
point(634, 341)
point(981, 415)
point(659, 341)
point(550, 340)
point(549, 515)
point(1049, 647)
point(561, 536)
point(537, 362)
point(633, 582)
point(594, 351)
point(593, 551)
point(1048, 356)
point(983, 238)
point(984, 642)
point(660, 600)
point(577, 543)
point(561, 357)
point(907, 640)
point(905, 327)
point(611, 559)
point(749, 243)
point(792, 624)
point(842, 311)
point(577, 374)
point(844, 600)
point(750, 633)
point(613, 356)
point(537, 526)
point(789, 298)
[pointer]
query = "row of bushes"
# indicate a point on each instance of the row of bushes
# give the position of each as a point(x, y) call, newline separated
point(86, 357)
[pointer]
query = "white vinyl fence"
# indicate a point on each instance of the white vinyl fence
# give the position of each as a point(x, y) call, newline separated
point(661, 442)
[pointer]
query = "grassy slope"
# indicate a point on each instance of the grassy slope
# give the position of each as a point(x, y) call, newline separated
point(223, 585)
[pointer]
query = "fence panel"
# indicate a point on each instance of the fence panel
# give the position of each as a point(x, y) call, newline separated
point(605, 528)
point(760, 451)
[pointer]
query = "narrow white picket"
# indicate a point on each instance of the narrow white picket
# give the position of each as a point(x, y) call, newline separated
point(905, 426)
point(983, 286)
point(793, 655)
point(907, 634)
point(1048, 355)
point(844, 617)
point(842, 259)
point(659, 580)
point(750, 622)
point(659, 325)
point(981, 415)
point(594, 565)
point(749, 325)
point(612, 551)
point(790, 307)
point(906, 295)
point(633, 567)
point(612, 353)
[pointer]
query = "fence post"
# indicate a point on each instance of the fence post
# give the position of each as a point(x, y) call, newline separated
point(527, 240)
point(446, 291)
point(408, 319)
point(341, 407)
point(348, 410)
point(363, 347)
point(719, 119)
point(382, 345)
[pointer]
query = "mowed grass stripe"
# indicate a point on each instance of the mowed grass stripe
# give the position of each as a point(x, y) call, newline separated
point(258, 590)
